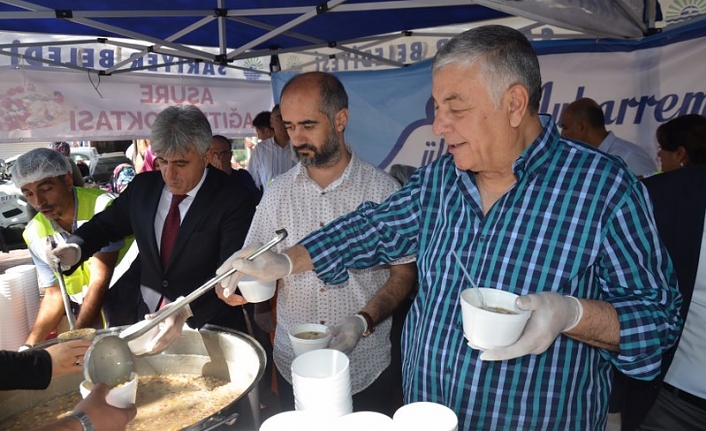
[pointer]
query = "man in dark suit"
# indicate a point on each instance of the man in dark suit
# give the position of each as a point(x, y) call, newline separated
point(675, 400)
point(212, 213)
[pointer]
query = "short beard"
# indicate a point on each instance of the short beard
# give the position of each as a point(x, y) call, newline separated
point(329, 155)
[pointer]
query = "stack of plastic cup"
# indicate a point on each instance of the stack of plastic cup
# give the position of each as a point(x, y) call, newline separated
point(424, 416)
point(322, 383)
point(30, 287)
point(295, 420)
point(14, 328)
point(359, 421)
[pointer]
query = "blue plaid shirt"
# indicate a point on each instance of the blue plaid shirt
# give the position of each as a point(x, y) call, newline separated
point(577, 222)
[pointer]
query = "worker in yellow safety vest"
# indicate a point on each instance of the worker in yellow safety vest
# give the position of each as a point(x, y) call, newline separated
point(44, 177)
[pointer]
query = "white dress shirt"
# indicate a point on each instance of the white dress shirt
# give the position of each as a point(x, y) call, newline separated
point(637, 159)
point(687, 369)
point(295, 202)
point(268, 160)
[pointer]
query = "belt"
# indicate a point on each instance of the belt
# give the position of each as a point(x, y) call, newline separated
point(685, 396)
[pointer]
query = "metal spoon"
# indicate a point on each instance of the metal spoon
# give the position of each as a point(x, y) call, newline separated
point(470, 280)
point(110, 358)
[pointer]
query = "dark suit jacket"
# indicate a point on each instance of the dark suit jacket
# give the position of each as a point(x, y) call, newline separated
point(214, 227)
point(679, 199)
point(30, 369)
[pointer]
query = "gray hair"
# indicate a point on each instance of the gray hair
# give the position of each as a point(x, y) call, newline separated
point(507, 59)
point(332, 94)
point(180, 129)
point(38, 164)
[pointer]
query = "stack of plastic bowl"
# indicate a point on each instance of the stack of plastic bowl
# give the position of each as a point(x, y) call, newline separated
point(296, 420)
point(14, 328)
point(364, 421)
point(28, 275)
point(321, 383)
point(424, 416)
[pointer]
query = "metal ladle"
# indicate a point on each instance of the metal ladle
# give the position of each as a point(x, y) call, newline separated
point(470, 280)
point(109, 359)
point(64, 293)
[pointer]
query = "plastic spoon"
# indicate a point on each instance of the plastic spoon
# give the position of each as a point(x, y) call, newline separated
point(470, 280)
point(109, 359)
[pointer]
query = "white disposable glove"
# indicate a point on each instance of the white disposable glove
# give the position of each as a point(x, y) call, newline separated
point(66, 255)
point(345, 335)
point(264, 318)
point(269, 266)
point(168, 330)
point(552, 314)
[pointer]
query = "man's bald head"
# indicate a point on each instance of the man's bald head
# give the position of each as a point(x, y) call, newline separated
point(583, 120)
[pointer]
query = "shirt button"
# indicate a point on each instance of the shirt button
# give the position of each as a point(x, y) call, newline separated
point(322, 322)
point(322, 290)
point(321, 224)
point(165, 283)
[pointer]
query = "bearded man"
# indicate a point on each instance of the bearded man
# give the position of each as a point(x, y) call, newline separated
point(328, 181)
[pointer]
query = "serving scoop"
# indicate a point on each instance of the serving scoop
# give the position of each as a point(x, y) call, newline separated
point(109, 359)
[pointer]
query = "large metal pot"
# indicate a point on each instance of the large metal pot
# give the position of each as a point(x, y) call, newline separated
point(212, 351)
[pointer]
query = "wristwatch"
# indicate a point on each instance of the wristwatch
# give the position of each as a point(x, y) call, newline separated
point(82, 417)
point(369, 324)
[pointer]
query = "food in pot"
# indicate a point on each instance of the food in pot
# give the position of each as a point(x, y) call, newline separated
point(164, 402)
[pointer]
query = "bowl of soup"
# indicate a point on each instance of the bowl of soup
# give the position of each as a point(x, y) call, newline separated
point(499, 324)
point(306, 337)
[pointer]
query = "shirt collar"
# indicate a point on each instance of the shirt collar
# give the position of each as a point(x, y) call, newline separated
point(538, 151)
point(353, 164)
point(607, 142)
point(191, 193)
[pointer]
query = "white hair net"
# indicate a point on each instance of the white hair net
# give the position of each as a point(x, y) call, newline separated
point(38, 164)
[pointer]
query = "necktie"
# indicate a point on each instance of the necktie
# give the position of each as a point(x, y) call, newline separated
point(171, 227)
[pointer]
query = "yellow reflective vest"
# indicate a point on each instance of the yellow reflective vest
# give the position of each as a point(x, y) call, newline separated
point(90, 202)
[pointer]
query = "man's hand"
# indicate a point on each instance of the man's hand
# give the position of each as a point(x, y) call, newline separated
point(345, 335)
point(552, 314)
point(67, 357)
point(169, 330)
point(232, 299)
point(269, 266)
point(104, 416)
point(64, 255)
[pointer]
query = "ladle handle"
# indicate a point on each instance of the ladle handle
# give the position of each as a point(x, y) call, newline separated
point(64, 293)
point(179, 304)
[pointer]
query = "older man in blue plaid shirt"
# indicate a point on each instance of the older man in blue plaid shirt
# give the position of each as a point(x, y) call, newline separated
point(564, 226)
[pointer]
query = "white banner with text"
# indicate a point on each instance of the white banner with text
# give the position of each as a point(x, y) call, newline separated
point(391, 111)
point(51, 105)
